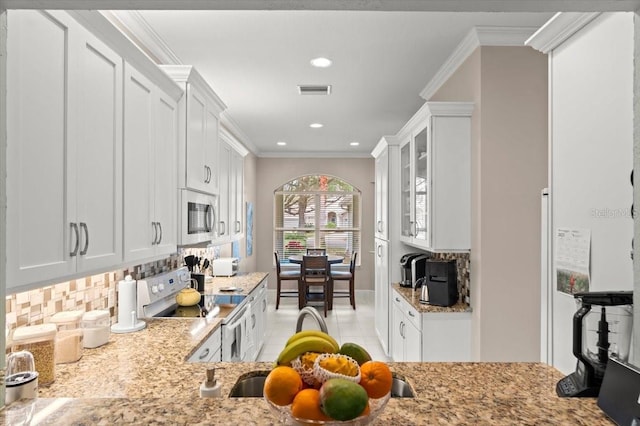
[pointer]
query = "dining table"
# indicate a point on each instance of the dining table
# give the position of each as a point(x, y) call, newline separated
point(332, 259)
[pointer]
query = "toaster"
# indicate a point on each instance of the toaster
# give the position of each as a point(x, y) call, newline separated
point(225, 266)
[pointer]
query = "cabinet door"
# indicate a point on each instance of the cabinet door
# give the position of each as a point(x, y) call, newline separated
point(396, 333)
point(166, 193)
point(381, 293)
point(211, 152)
point(406, 200)
point(39, 207)
point(382, 194)
point(421, 186)
point(413, 343)
point(236, 198)
point(197, 172)
point(224, 167)
point(99, 155)
point(139, 105)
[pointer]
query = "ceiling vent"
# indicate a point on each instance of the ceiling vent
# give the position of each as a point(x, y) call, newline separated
point(314, 90)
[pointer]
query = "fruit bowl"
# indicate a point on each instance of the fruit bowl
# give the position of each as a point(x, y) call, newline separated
point(283, 414)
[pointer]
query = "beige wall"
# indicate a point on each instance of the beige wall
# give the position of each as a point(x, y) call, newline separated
point(273, 172)
point(248, 263)
point(509, 169)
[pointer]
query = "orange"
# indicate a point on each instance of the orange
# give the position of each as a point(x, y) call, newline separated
point(375, 378)
point(282, 384)
point(306, 405)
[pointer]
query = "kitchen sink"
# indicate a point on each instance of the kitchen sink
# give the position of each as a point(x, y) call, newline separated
point(250, 385)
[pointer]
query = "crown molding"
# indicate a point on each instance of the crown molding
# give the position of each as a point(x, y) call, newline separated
point(558, 29)
point(384, 142)
point(449, 109)
point(242, 142)
point(477, 36)
point(132, 22)
point(313, 154)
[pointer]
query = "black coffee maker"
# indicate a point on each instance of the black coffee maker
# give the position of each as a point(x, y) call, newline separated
point(601, 328)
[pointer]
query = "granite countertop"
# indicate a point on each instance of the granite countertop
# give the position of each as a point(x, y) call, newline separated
point(413, 297)
point(142, 378)
point(245, 283)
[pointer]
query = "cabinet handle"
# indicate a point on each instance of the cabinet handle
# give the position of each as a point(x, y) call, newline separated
point(86, 238)
point(160, 228)
point(264, 305)
point(412, 226)
point(206, 174)
point(74, 227)
point(224, 228)
point(400, 328)
point(155, 233)
point(208, 218)
point(253, 321)
point(380, 252)
point(204, 354)
point(238, 226)
point(379, 226)
point(411, 314)
point(397, 300)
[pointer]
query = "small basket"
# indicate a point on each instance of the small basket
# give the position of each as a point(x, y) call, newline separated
point(322, 375)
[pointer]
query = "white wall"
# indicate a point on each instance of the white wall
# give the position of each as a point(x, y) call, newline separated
point(592, 141)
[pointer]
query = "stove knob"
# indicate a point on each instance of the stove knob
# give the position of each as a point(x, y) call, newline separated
point(161, 286)
point(154, 289)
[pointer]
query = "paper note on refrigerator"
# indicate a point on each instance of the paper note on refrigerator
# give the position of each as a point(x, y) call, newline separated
point(572, 259)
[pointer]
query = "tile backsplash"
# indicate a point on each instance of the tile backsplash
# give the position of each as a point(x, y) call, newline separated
point(85, 294)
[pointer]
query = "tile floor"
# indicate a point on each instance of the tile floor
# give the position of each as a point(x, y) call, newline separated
point(343, 323)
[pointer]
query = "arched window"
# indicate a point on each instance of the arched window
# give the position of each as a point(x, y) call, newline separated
point(317, 211)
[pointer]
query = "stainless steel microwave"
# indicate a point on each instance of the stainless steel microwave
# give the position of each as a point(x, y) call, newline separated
point(197, 217)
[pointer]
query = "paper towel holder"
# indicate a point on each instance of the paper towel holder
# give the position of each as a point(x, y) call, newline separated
point(127, 308)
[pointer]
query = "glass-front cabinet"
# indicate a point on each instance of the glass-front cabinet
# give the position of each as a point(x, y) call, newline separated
point(435, 171)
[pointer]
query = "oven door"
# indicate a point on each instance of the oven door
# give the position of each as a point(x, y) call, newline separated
point(197, 217)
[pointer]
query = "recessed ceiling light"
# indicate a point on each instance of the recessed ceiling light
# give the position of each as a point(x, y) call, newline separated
point(354, 143)
point(281, 143)
point(321, 62)
point(315, 125)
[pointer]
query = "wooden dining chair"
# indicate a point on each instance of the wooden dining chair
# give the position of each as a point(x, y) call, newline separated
point(349, 276)
point(291, 275)
point(316, 251)
point(315, 272)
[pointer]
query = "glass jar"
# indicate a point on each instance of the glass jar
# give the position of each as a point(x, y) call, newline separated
point(69, 338)
point(95, 328)
point(40, 340)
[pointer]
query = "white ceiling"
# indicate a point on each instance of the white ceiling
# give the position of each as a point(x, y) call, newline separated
point(254, 60)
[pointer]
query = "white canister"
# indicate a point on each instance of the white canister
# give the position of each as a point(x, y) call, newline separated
point(95, 328)
point(69, 338)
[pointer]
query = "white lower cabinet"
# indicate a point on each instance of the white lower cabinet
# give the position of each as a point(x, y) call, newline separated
point(428, 336)
point(446, 336)
point(381, 294)
point(257, 324)
point(209, 351)
point(406, 335)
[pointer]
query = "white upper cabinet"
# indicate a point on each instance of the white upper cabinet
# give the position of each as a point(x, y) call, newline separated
point(435, 177)
point(64, 133)
point(67, 111)
point(150, 190)
point(231, 198)
point(199, 122)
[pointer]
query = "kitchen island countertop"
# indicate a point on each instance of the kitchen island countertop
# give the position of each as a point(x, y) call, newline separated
point(143, 378)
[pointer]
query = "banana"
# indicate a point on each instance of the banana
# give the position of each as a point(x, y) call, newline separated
point(318, 333)
point(302, 345)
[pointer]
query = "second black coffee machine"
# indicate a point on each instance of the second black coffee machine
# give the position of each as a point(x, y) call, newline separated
point(412, 266)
